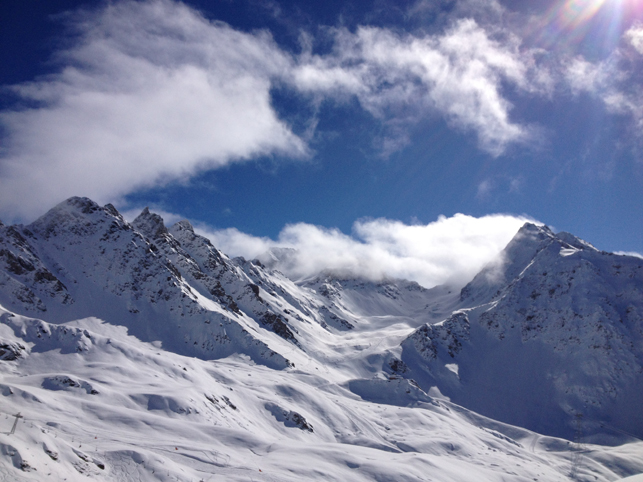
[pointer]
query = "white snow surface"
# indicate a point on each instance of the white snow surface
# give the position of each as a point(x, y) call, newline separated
point(137, 352)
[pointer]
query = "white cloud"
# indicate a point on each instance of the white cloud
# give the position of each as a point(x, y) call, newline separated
point(584, 76)
point(236, 243)
point(150, 92)
point(459, 74)
point(449, 250)
point(613, 80)
point(634, 36)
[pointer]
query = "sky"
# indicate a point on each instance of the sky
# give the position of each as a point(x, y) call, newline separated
point(390, 138)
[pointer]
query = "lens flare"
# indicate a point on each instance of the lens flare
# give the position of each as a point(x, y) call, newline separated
point(598, 24)
point(576, 12)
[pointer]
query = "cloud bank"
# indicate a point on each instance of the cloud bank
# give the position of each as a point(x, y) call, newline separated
point(450, 250)
point(149, 92)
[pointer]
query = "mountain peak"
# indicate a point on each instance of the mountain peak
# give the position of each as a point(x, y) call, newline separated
point(76, 207)
point(531, 227)
point(183, 225)
point(150, 224)
point(111, 209)
point(533, 232)
point(520, 253)
point(521, 250)
point(75, 213)
point(527, 242)
point(84, 204)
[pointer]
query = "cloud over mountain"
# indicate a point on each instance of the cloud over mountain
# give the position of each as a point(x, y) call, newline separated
point(449, 250)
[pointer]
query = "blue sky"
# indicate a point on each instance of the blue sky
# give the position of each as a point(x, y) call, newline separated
point(249, 116)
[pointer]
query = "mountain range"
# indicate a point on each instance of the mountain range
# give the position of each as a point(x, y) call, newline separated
point(134, 351)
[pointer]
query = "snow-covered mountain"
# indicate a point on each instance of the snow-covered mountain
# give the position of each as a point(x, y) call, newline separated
point(553, 332)
point(135, 351)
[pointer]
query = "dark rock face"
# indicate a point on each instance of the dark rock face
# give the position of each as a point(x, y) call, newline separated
point(299, 421)
point(11, 351)
point(335, 321)
point(23, 276)
point(448, 336)
point(289, 418)
point(277, 325)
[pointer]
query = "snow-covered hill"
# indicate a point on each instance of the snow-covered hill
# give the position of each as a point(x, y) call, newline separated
point(135, 351)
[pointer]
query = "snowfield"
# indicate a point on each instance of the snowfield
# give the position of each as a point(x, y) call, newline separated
point(139, 352)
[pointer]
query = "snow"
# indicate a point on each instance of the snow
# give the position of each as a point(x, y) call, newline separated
point(633, 478)
point(568, 251)
point(163, 416)
point(143, 353)
point(453, 367)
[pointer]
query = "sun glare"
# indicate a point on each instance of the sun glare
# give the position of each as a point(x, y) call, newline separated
point(576, 12)
point(574, 21)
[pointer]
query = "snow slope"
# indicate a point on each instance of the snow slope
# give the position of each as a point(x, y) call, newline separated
point(140, 352)
point(99, 403)
point(554, 332)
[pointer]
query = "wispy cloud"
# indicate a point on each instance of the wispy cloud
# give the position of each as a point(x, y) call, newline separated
point(449, 250)
point(149, 92)
point(584, 76)
point(634, 36)
point(458, 74)
point(614, 79)
point(503, 184)
point(484, 189)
